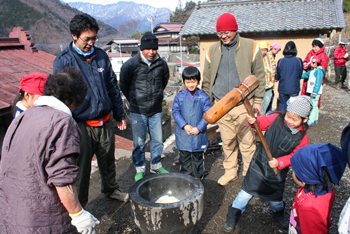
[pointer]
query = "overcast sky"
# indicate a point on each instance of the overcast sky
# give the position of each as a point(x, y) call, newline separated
point(171, 4)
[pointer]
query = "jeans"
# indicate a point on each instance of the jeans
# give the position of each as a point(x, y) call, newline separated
point(243, 198)
point(266, 100)
point(269, 108)
point(283, 98)
point(313, 118)
point(139, 125)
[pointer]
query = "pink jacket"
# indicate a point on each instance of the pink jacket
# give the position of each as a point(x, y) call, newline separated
point(321, 55)
point(339, 54)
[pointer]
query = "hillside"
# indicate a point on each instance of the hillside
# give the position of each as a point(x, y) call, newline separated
point(46, 20)
point(126, 17)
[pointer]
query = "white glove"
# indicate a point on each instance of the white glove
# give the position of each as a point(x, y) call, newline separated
point(84, 222)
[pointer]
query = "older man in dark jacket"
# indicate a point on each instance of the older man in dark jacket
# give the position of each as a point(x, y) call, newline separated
point(142, 80)
point(93, 115)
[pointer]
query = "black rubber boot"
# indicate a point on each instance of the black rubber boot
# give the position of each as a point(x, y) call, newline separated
point(280, 218)
point(232, 219)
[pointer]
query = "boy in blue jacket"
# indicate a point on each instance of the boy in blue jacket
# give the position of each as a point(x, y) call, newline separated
point(191, 133)
point(314, 87)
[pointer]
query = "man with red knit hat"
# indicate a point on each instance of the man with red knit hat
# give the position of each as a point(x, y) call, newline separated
point(227, 63)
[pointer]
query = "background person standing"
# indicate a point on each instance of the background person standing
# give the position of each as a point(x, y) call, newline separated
point(227, 63)
point(93, 115)
point(191, 129)
point(264, 46)
point(275, 48)
point(143, 79)
point(318, 51)
point(289, 71)
point(341, 56)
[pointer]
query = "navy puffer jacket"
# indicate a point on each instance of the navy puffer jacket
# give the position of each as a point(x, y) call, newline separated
point(103, 92)
point(289, 71)
point(143, 85)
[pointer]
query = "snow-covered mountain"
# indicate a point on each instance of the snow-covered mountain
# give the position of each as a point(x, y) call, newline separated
point(125, 15)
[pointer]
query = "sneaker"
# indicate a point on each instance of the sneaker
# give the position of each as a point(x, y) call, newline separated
point(226, 179)
point(138, 176)
point(118, 195)
point(160, 170)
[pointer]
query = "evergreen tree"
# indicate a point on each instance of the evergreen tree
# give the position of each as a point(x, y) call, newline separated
point(346, 5)
point(182, 14)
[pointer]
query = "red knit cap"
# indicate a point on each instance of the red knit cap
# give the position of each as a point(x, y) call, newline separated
point(226, 22)
point(33, 83)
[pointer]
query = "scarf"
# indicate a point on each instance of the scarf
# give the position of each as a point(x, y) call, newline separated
point(308, 161)
point(81, 52)
point(52, 102)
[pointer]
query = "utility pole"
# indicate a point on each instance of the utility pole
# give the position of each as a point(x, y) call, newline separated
point(120, 53)
point(151, 19)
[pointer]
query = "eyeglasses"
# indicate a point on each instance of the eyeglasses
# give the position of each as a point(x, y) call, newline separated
point(89, 40)
point(226, 33)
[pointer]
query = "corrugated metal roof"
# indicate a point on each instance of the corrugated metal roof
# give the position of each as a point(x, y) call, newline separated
point(16, 61)
point(168, 27)
point(268, 16)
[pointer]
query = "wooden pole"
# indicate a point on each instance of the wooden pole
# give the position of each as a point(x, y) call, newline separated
point(250, 111)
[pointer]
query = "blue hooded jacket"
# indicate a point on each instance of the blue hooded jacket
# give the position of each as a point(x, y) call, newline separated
point(188, 109)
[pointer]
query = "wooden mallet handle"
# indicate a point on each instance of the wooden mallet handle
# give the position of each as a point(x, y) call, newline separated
point(250, 112)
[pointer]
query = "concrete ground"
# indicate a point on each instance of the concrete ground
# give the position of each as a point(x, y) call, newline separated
point(116, 216)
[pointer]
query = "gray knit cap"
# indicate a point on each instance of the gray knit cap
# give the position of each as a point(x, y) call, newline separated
point(300, 105)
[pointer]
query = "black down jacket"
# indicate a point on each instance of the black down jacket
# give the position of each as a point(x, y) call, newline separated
point(143, 84)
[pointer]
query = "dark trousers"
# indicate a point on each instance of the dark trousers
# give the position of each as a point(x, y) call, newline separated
point(282, 101)
point(99, 141)
point(192, 163)
point(340, 74)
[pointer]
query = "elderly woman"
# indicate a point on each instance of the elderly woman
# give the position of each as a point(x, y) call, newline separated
point(38, 163)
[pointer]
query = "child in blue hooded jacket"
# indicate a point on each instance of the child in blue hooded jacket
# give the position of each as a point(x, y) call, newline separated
point(191, 136)
point(314, 87)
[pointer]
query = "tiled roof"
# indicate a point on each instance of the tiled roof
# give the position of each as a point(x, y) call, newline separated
point(169, 27)
point(268, 16)
point(18, 58)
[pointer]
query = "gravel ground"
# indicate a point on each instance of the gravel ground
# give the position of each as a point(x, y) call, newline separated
point(116, 217)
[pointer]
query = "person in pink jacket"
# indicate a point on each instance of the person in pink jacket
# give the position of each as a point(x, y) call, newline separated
point(341, 56)
point(318, 51)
